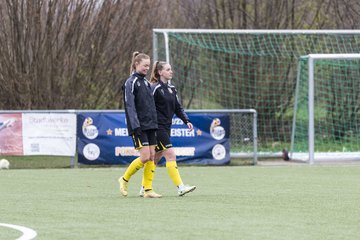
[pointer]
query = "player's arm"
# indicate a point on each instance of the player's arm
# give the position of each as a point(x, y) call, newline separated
point(129, 97)
point(179, 112)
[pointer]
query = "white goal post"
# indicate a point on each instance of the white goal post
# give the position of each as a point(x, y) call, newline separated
point(311, 155)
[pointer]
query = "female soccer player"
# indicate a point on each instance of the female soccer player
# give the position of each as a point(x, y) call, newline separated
point(167, 104)
point(141, 122)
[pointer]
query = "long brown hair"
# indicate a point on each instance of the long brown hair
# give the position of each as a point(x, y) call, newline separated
point(136, 58)
point(158, 66)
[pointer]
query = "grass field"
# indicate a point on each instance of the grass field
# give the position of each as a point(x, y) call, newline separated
point(239, 202)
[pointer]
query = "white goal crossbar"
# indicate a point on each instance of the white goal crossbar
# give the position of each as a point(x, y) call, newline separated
point(166, 31)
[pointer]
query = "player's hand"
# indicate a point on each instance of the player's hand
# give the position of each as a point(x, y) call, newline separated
point(190, 126)
point(137, 131)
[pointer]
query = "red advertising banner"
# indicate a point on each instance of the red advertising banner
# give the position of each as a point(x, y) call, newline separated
point(11, 142)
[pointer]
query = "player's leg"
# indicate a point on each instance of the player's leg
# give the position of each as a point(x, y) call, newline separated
point(149, 168)
point(171, 166)
point(167, 150)
point(174, 174)
point(141, 144)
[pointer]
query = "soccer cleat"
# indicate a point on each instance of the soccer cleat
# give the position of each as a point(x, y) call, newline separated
point(185, 189)
point(123, 187)
point(141, 193)
point(151, 194)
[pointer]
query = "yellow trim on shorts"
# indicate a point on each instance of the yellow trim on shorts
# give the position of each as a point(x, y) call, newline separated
point(138, 141)
point(161, 148)
point(162, 145)
point(140, 145)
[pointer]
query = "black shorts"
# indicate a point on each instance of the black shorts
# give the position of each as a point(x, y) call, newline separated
point(163, 140)
point(147, 138)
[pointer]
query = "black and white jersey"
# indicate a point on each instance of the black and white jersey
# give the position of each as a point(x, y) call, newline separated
point(167, 104)
point(139, 104)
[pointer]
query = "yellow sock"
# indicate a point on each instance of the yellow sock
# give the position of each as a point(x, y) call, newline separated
point(134, 166)
point(173, 172)
point(149, 171)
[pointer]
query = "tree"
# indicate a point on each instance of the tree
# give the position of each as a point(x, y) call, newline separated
point(76, 53)
point(68, 54)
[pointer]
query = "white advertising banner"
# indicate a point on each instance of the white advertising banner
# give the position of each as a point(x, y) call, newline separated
point(49, 134)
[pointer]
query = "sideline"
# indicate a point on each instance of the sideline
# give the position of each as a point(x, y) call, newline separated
point(28, 233)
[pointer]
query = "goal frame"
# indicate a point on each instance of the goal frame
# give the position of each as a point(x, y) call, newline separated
point(166, 31)
point(312, 58)
point(162, 47)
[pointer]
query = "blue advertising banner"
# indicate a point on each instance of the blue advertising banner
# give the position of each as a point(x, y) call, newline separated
point(103, 139)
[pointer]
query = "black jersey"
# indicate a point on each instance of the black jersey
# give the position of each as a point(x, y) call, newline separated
point(167, 104)
point(139, 104)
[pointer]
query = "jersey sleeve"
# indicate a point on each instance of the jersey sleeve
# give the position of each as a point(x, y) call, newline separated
point(179, 111)
point(129, 97)
point(155, 92)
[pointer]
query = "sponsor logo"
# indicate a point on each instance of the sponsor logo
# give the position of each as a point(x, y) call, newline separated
point(177, 121)
point(91, 151)
point(121, 132)
point(90, 131)
point(184, 151)
point(218, 152)
point(217, 131)
point(8, 123)
point(131, 151)
point(181, 132)
point(126, 151)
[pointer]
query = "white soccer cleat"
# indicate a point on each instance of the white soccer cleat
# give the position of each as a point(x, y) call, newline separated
point(141, 192)
point(185, 189)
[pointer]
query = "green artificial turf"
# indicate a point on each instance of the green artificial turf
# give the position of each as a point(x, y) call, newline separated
point(252, 202)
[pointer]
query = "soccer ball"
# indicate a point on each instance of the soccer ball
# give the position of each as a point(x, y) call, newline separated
point(4, 164)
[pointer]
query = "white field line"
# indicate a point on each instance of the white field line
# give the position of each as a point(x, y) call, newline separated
point(28, 233)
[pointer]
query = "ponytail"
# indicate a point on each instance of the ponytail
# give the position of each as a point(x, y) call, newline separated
point(158, 66)
point(136, 58)
point(154, 78)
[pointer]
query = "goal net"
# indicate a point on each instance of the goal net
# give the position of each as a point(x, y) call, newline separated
point(326, 122)
point(243, 132)
point(246, 69)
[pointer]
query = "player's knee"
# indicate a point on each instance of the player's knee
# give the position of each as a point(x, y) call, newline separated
point(169, 154)
point(152, 156)
point(145, 156)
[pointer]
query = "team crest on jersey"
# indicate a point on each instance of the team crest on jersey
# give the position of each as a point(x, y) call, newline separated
point(170, 90)
point(138, 84)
